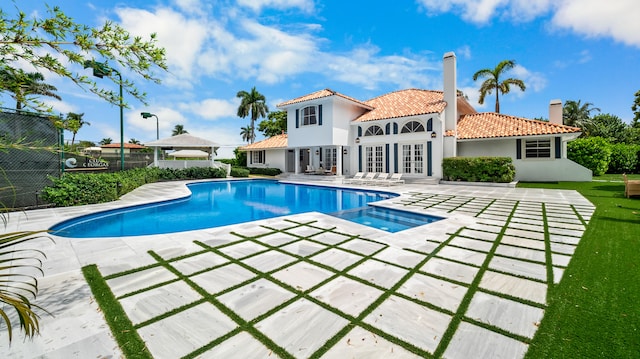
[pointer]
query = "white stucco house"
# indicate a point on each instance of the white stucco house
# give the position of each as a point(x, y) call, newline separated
point(410, 132)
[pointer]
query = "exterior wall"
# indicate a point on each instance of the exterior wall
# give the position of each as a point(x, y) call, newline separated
point(274, 158)
point(532, 169)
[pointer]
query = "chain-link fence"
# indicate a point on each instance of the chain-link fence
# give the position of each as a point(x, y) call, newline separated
point(23, 172)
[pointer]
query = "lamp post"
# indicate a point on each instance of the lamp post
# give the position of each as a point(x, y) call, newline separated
point(147, 115)
point(100, 69)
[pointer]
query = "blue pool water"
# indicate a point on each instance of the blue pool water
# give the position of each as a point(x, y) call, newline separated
point(220, 203)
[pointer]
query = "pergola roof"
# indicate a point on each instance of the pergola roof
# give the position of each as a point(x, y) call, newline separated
point(183, 141)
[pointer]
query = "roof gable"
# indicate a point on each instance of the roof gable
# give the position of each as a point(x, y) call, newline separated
point(318, 95)
point(403, 103)
point(278, 141)
point(496, 125)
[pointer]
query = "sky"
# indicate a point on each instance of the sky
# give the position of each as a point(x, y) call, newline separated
point(587, 50)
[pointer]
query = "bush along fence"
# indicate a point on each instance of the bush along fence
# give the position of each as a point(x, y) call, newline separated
point(600, 156)
point(478, 169)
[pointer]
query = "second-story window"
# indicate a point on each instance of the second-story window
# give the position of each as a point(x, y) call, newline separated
point(310, 115)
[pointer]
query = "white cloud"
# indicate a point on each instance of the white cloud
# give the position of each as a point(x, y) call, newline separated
point(258, 5)
point(534, 81)
point(212, 109)
point(464, 52)
point(592, 18)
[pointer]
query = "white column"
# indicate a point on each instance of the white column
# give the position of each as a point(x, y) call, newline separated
point(339, 161)
point(297, 160)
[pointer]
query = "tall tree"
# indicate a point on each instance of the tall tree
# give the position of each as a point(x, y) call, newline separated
point(178, 130)
point(247, 133)
point(59, 44)
point(22, 85)
point(492, 82)
point(134, 141)
point(577, 114)
point(275, 124)
point(106, 141)
point(74, 123)
point(607, 126)
point(252, 104)
point(636, 110)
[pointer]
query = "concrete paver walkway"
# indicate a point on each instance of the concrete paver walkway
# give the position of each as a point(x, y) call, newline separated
point(311, 285)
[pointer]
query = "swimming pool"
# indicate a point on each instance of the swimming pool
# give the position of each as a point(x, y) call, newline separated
point(220, 203)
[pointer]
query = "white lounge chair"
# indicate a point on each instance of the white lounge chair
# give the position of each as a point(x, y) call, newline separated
point(381, 179)
point(355, 179)
point(369, 177)
point(396, 178)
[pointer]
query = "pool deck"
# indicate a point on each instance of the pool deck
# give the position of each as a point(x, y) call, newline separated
point(472, 285)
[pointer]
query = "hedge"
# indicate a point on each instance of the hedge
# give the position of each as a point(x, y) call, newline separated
point(593, 153)
point(478, 169)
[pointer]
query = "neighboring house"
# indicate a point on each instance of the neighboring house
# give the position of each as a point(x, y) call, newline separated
point(115, 148)
point(410, 132)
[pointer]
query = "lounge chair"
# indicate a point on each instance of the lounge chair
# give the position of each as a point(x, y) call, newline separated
point(631, 187)
point(355, 179)
point(396, 178)
point(309, 170)
point(381, 179)
point(368, 178)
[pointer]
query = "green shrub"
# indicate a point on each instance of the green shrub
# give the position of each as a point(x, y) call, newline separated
point(593, 153)
point(478, 169)
point(624, 158)
point(239, 172)
point(264, 171)
point(88, 188)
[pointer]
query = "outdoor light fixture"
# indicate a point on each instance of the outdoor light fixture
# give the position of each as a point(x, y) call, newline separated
point(433, 135)
point(357, 139)
point(317, 152)
point(344, 152)
point(100, 70)
point(147, 115)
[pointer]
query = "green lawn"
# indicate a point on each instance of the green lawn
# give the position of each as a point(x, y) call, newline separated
point(595, 310)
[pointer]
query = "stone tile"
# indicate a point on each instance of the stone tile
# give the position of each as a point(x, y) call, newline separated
point(574, 226)
point(521, 253)
point(426, 247)
point(379, 273)
point(565, 232)
point(401, 257)
point(304, 231)
point(538, 222)
point(336, 258)
point(362, 246)
point(303, 248)
point(410, 322)
point(485, 228)
point(174, 337)
point(347, 295)
point(152, 303)
point(524, 233)
point(285, 327)
point(251, 230)
point(560, 260)
point(330, 238)
point(567, 249)
point(255, 298)
point(523, 242)
point(219, 279)
point(277, 239)
point(474, 244)
point(471, 341)
point(452, 270)
point(506, 314)
point(514, 286)
point(302, 275)
point(557, 274)
point(558, 238)
point(243, 343)
point(198, 262)
point(462, 255)
point(268, 261)
point(139, 280)
point(484, 235)
point(359, 343)
point(242, 249)
point(438, 292)
point(521, 268)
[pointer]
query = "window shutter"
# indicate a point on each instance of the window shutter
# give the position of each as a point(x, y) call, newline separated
point(430, 124)
point(395, 158)
point(429, 155)
point(250, 157)
point(297, 118)
point(319, 115)
point(519, 149)
point(558, 147)
point(359, 131)
point(386, 159)
point(359, 158)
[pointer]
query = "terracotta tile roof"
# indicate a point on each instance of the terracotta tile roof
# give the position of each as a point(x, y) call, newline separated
point(126, 145)
point(492, 125)
point(403, 103)
point(278, 141)
point(320, 94)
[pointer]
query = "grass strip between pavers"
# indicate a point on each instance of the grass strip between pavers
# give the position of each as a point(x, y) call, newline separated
point(126, 336)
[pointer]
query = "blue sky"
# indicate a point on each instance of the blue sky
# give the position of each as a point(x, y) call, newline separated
point(586, 50)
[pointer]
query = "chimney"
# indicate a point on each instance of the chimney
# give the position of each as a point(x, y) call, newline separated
point(450, 92)
point(555, 112)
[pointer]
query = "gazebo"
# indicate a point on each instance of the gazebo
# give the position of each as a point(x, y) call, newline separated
point(186, 142)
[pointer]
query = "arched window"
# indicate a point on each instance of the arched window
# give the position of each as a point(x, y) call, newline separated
point(374, 130)
point(412, 126)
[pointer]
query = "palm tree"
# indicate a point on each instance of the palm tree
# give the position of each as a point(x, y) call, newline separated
point(178, 130)
point(106, 141)
point(134, 141)
point(74, 123)
point(577, 114)
point(252, 103)
point(492, 83)
point(23, 84)
point(247, 133)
